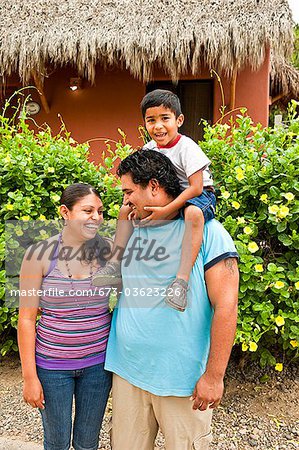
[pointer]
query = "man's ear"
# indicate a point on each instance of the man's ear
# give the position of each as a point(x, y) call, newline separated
point(180, 120)
point(154, 186)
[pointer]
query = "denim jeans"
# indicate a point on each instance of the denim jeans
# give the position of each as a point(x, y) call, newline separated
point(90, 388)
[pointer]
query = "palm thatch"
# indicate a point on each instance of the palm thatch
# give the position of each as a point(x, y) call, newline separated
point(284, 79)
point(177, 35)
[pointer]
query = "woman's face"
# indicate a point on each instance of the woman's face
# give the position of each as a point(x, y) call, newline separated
point(84, 219)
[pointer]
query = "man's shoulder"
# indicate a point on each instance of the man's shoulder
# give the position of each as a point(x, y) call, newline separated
point(217, 243)
point(214, 228)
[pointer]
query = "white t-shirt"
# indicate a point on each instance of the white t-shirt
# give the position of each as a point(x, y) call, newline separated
point(187, 158)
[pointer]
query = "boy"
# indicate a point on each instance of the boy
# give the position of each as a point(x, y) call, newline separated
point(161, 111)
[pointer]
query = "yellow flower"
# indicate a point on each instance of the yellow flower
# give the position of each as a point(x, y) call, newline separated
point(279, 321)
point(297, 285)
point(273, 209)
point(7, 159)
point(240, 220)
point(25, 218)
point(249, 168)
point(283, 211)
point(279, 367)
point(239, 170)
point(19, 232)
point(55, 198)
point(236, 205)
point(225, 195)
point(264, 198)
point(294, 343)
point(289, 196)
point(252, 346)
point(259, 268)
point(279, 284)
point(42, 217)
point(51, 170)
point(9, 207)
point(240, 176)
point(244, 347)
point(247, 230)
point(252, 247)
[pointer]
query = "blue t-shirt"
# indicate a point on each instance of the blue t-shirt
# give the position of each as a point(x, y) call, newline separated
point(151, 345)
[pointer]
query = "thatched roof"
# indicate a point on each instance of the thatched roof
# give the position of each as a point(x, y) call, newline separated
point(284, 78)
point(139, 34)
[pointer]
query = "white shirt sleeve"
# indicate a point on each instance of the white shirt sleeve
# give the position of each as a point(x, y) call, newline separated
point(193, 158)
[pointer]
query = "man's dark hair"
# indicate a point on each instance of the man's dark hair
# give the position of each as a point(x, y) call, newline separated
point(161, 97)
point(145, 165)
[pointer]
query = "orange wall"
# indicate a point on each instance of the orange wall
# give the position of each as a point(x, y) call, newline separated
point(113, 102)
point(94, 111)
point(252, 92)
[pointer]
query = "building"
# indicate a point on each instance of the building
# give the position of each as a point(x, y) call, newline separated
point(115, 51)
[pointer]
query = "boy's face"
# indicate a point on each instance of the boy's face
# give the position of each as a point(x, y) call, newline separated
point(162, 125)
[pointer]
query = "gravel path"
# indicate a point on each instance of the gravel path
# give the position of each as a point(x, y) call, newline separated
point(253, 415)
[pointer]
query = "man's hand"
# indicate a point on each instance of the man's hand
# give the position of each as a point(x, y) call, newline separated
point(157, 213)
point(208, 392)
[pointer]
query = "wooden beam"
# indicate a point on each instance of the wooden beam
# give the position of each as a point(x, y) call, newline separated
point(276, 98)
point(40, 89)
point(233, 82)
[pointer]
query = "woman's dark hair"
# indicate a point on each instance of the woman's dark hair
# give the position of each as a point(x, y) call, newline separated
point(73, 193)
point(97, 247)
point(161, 97)
point(145, 165)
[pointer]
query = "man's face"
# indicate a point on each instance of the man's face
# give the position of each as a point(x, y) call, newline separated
point(136, 196)
point(162, 125)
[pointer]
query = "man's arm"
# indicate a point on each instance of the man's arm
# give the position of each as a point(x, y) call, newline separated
point(222, 282)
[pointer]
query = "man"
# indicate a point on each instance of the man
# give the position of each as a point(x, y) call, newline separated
point(160, 357)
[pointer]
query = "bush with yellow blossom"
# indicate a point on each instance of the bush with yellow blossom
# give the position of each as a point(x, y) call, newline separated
point(256, 172)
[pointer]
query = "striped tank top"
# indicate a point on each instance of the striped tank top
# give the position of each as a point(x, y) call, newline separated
point(73, 329)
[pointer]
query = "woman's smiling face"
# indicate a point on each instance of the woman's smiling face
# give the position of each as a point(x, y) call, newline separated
point(85, 217)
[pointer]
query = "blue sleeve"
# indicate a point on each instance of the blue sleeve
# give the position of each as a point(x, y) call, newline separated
point(217, 244)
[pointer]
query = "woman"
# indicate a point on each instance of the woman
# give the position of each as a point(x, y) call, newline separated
point(64, 357)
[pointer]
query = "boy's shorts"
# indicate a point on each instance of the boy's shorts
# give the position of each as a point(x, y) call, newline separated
point(206, 202)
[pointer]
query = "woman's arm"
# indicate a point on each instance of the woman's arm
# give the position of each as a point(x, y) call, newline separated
point(30, 280)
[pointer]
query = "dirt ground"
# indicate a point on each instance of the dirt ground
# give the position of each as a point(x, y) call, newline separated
point(253, 414)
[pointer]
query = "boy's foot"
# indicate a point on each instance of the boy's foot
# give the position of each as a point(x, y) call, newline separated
point(110, 274)
point(177, 294)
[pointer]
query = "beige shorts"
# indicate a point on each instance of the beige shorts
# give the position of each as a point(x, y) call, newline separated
point(137, 415)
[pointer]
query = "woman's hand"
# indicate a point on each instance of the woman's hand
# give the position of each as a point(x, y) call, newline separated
point(33, 393)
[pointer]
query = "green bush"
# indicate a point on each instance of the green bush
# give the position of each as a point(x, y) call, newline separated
point(35, 168)
point(256, 171)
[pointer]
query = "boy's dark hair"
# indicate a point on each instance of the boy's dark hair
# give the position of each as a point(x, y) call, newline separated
point(162, 97)
point(145, 165)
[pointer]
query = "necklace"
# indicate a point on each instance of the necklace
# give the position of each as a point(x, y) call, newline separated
point(70, 275)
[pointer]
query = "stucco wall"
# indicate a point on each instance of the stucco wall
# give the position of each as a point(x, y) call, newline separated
point(113, 102)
